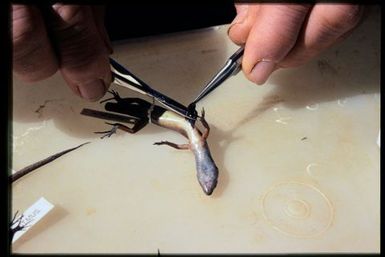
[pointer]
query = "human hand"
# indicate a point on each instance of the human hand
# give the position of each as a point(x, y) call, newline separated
point(77, 44)
point(288, 35)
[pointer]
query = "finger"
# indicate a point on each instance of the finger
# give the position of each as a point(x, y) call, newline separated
point(82, 53)
point(326, 25)
point(33, 56)
point(99, 14)
point(240, 27)
point(273, 34)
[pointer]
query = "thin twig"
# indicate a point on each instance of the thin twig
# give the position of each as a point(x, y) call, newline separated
point(15, 176)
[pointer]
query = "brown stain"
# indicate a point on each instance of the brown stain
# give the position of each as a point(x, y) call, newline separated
point(345, 150)
point(42, 106)
point(253, 217)
point(267, 103)
point(90, 211)
point(257, 219)
point(326, 68)
point(259, 238)
point(337, 52)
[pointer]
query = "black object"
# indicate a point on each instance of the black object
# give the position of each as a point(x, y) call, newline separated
point(124, 78)
point(125, 21)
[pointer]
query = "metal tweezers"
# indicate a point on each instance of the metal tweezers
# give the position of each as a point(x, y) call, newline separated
point(231, 68)
point(125, 78)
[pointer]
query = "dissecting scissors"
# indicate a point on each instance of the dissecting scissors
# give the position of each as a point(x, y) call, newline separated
point(231, 68)
point(125, 78)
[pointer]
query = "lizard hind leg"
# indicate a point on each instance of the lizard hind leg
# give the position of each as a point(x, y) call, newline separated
point(138, 125)
point(110, 132)
point(205, 124)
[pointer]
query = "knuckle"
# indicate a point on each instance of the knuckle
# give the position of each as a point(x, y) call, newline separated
point(281, 25)
point(30, 66)
point(24, 25)
point(345, 18)
point(238, 33)
point(79, 51)
point(353, 14)
point(78, 41)
point(296, 59)
point(23, 54)
point(291, 10)
point(29, 45)
point(78, 62)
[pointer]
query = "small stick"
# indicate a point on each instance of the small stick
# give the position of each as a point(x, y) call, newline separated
point(29, 168)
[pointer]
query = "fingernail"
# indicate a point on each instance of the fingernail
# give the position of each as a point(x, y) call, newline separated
point(262, 71)
point(57, 8)
point(241, 15)
point(93, 90)
point(228, 30)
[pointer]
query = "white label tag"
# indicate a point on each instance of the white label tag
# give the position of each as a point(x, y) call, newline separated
point(32, 215)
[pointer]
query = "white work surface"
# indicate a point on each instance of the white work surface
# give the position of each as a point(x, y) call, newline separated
point(298, 159)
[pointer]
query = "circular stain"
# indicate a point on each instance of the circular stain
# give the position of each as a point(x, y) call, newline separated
point(297, 209)
point(310, 169)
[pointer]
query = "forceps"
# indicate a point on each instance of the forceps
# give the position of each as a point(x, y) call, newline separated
point(123, 77)
point(231, 68)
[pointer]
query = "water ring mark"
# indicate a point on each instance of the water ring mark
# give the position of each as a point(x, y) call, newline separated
point(342, 102)
point(312, 107)
point(281, 119)
point(297, 209)
point(309, 169)
point(18, 141)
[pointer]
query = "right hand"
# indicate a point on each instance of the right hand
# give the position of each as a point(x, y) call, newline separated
point(281, 35)
point(78, 46)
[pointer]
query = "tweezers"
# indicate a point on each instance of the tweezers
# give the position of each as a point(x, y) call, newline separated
point(231, 68)
point(123, 77)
